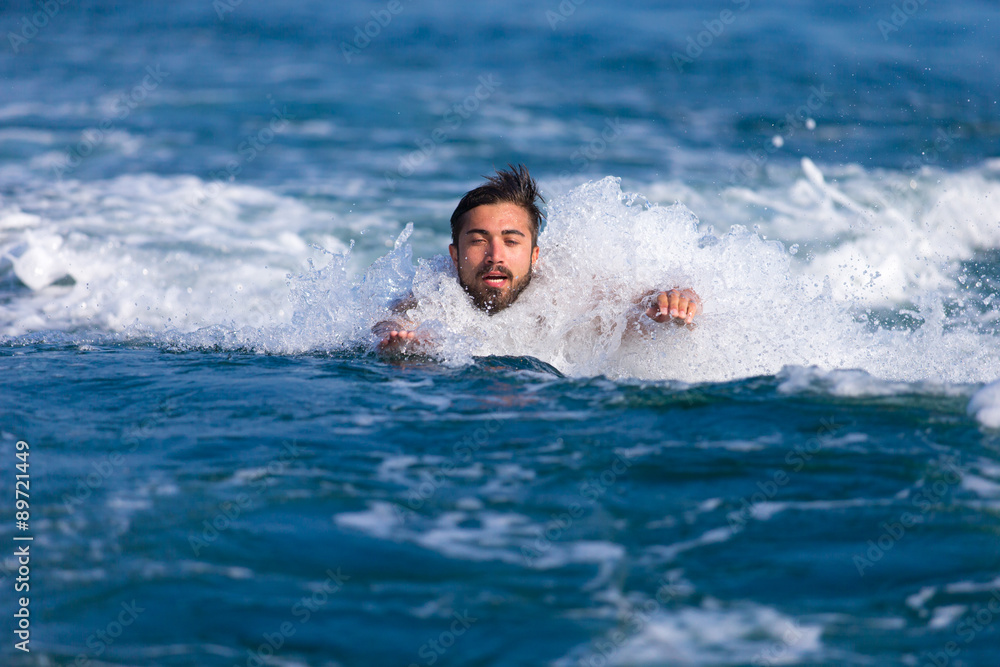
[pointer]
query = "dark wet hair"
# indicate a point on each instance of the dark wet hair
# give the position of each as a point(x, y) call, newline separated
point(513, 186)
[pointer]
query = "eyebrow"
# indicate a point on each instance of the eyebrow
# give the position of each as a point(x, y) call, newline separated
point(483, 232)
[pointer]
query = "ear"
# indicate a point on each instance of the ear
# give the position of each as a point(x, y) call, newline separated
point(453, 251)
point(534, 255)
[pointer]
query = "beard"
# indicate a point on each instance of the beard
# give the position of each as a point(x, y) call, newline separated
point(494, 299)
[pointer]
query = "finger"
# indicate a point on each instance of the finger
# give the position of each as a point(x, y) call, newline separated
point(694, 299)
point(394, 339)
point(682, 308)
point(658, 312)
point(675, 303)
point(662, 307)
point(692, 310)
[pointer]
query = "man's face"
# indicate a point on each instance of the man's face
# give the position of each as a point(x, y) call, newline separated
point(494, 256)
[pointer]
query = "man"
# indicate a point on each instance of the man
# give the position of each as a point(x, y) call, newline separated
point(494, 233)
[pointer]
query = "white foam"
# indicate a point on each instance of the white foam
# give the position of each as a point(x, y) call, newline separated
point(852, 383)
point(715, 633)
point(379, 520)
point(602, 250)
point(981, 486)
point(26, 135)
point(163, 253)
point(713, 536)
point(879, 237)
point(79, 576)
point(601, 253)
point(414, 471)
point(481, 536)
point(765, 510)
point(984, 405)
point(945, 616)
point(149, 256)
point(199, 567)
point(974, 586)
point(43, 109)
point(919, 600)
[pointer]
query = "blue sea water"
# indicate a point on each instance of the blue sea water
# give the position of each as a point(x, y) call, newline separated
point(206, 204)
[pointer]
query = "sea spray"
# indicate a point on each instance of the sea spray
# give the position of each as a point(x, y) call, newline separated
point(213, 281)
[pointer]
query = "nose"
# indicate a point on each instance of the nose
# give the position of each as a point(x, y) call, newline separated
point(495, 251)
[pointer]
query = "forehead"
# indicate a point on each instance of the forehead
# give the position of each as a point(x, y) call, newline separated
point(495, 218)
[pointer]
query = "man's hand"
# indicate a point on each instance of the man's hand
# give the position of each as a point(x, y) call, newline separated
point(396, 340)
point(396, 335)
point(400, 342)
point(679, 305)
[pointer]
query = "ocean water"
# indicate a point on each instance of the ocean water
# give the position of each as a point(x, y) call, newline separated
point(205, 205)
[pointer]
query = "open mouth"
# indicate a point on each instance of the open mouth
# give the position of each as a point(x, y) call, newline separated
point(495, 279)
